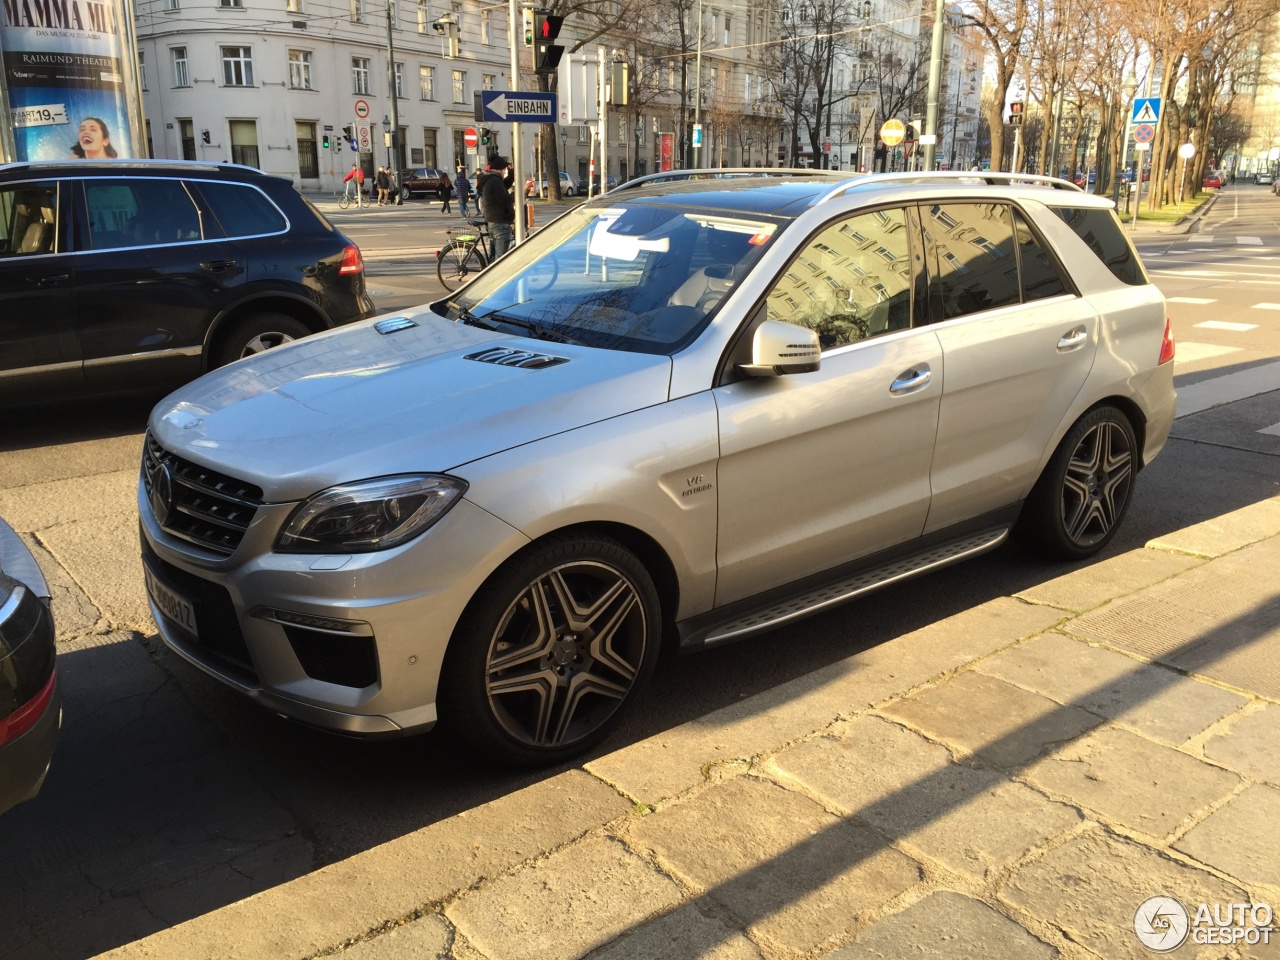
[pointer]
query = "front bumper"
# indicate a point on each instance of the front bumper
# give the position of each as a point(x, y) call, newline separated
point(349, 643)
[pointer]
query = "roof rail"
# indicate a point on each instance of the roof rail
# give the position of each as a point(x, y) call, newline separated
point(134, 162)
point(989, 177)
point(718, 173)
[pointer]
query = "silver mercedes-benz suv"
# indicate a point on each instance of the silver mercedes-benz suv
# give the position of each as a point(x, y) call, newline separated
point(689, 411)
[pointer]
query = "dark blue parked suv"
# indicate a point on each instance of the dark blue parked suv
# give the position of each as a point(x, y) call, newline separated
point(139, 274)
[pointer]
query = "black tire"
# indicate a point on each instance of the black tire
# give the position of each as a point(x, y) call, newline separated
point(254, 334)
point(551, 651)
point(1081, 498)
point(457, 263)
point(405, 193)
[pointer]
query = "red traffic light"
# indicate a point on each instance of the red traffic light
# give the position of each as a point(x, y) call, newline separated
point(547, 27)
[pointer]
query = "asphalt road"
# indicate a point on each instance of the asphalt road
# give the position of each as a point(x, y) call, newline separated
point(171, 796)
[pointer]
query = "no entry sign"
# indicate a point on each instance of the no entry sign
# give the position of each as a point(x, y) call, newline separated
point(470, 138)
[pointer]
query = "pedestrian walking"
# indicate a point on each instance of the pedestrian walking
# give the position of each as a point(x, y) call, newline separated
point(444, 192)
point(384, 186)
point(462, 187)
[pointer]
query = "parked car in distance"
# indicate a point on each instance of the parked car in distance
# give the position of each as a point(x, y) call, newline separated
point(684, 413)
point(423, 182)
point(129, 274)
point(1264, 177)
point(1212, 180)
point(30, 701)
point(568, 187)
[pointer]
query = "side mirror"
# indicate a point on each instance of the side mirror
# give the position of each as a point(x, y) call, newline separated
point(780, 348)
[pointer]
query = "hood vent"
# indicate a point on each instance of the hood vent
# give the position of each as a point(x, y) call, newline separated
point(507, 357)
point(392, 324)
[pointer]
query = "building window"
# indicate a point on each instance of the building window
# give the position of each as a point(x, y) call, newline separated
point(399, 75)
point(459, 86)
point(171, 4)
point(181, 77)
point(487, 80)
point(151, 150)
point(300, 69)
point(237, 67)
point(429, 147)
point(427, 83)
point(293, 6)
point(357, 11)
point(424, 21)
point(142, 68)
point(244, 142)
point(728, 30)
point(486, 30)
point(229, 4)
point(360, 75)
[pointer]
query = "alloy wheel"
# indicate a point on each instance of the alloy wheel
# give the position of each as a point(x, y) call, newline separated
point(264, 341)
point(566, 653)
point(1096, 487)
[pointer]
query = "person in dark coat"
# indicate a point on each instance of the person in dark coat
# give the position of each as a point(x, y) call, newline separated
point(462, 187)
point(494, 190)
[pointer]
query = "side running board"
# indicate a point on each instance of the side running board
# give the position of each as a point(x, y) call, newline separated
point(832, 593)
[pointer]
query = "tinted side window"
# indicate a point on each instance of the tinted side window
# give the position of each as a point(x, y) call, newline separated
point(1040, 278)
point(972, 255)
point(139, 212)
point(242, 210)
point(850, 282)
point(1101, 230)
point(28, 219)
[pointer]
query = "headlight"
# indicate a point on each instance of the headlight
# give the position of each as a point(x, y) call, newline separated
point(369, 515)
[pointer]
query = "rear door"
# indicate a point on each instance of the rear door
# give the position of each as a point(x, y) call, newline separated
point(1018, 344)
point(152, 271)
point(38, 346)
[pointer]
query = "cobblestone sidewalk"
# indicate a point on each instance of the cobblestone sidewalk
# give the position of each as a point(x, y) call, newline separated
point(1012, 782)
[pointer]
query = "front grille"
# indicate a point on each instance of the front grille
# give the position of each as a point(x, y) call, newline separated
point(196, 504)
point(220, 635)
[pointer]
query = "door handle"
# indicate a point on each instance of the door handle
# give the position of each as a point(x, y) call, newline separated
point(48, 281)
point(217, 265)
point(1074, 338)
point(909, 381)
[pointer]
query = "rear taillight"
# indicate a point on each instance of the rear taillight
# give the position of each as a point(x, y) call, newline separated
point(27, 715)
point(352, 262)
point(1166, 347)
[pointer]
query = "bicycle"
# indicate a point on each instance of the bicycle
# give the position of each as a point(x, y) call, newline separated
point(464, 255)
point(345, 199)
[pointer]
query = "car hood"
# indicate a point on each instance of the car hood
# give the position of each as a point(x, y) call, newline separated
point(356, 403)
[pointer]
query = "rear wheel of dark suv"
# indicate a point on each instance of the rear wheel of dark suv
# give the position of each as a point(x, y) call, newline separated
point(254, 334)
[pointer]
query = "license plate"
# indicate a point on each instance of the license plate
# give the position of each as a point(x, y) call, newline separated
point(175, 607)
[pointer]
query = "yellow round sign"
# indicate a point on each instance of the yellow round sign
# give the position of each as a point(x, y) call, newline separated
point(892, 132)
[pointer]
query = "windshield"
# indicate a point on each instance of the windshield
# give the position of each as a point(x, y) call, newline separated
point(643, 277)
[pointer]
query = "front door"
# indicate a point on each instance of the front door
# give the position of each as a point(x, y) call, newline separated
point(151, 274)
point(822, 468)
point(38, 346)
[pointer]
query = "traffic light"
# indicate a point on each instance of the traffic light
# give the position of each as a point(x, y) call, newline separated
point(204, 136)
point(485, 135)
point(528, 27)
point(1015, 113)
point(325, 141)
point(546, 52)
point(620, 84)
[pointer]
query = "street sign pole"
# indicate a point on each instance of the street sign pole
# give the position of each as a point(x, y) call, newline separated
point(513, 28)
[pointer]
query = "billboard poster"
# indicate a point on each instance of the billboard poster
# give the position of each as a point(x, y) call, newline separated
point(666, 151)
point(68, 74)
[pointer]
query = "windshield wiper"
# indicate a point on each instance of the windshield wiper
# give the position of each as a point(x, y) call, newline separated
point(539, 332)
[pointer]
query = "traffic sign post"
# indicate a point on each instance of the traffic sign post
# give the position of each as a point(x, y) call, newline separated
point(892, 133)
point(697, 135)
point(364, 138)
point(470, 138)
point(1146, 110)
point(517, 106)
point(1144, 133)
point(362, 109)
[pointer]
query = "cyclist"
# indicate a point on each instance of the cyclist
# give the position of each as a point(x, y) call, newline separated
point(357, 176)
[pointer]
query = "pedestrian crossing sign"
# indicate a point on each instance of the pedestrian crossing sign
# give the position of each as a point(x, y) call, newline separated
point(1146, 110)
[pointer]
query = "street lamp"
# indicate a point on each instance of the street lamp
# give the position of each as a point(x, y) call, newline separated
point(747, 141)
point(639, 132)
point(386, 136)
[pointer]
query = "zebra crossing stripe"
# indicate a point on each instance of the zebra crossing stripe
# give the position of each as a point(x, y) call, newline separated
point(1266, 306)
point(1227, 325)
point(1251, 241)
point(1199, 301)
